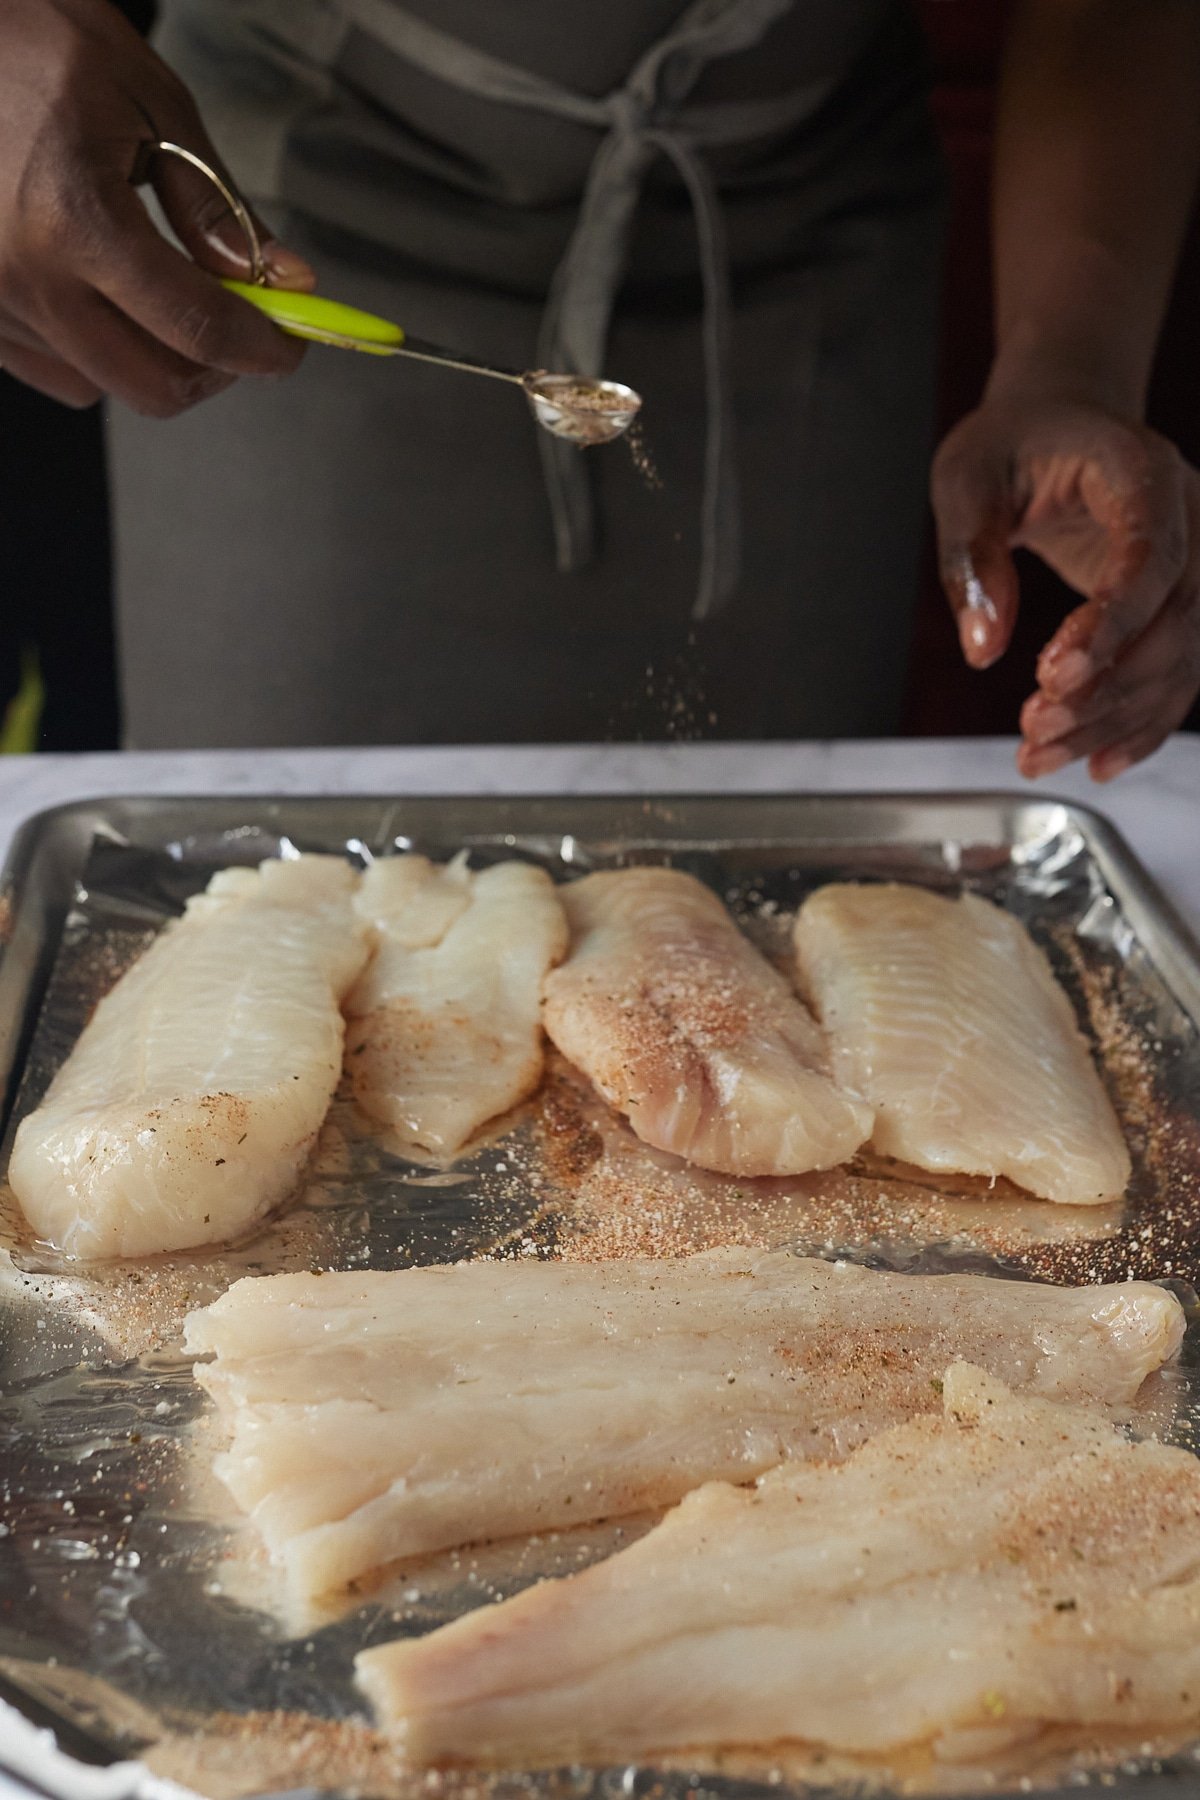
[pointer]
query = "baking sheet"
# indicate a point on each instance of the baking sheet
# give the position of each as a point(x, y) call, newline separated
point(136, 1611)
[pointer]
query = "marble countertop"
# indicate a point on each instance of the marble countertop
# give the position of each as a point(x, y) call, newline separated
point(1156, 807)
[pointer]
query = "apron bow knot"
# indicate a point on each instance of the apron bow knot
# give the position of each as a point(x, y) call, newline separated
point(628, 113)
point(647, 117)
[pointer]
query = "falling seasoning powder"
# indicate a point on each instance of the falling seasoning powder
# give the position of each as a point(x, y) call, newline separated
point(643, 461)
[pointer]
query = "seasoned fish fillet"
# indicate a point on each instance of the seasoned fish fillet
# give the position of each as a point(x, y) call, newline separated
point(945, 1014)
point(189, 1104)
point(1010, 1562)
point(689, 1032)
point(385, 1415)
point(445, 1030)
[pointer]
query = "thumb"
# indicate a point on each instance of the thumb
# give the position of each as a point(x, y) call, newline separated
point(975, 517)
point(205, 222)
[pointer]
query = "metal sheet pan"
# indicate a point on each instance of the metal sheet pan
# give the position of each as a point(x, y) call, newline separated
point(136, 1616)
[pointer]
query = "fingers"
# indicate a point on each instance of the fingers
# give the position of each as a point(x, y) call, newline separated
point(103, 292)
point(1127, 710)
point(197, 212)
point(974, 516)
point(1106, 765)
point(120, 358)
point(90, 292)
point(163, 292)
point(1132, 492)
point(50, 376)
point(201, 217)
point(1114, 510)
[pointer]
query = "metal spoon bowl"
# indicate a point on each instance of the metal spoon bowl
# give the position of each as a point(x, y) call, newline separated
point(580, 409)
point(570, 406)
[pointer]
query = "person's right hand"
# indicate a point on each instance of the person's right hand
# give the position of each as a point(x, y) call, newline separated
point(93, 299)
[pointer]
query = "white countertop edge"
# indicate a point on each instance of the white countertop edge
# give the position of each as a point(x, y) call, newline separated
point(1155, 806)
point(873, 764)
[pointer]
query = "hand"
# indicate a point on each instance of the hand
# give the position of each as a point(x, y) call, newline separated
point(1115, 511)
point(93, 299)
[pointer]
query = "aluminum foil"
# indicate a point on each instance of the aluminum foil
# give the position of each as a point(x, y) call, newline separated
point(137, 1613)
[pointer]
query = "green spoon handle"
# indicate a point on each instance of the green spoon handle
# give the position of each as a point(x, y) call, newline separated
point(322, 321)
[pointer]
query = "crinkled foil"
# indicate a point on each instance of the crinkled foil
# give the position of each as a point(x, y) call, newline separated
point(135, 1607)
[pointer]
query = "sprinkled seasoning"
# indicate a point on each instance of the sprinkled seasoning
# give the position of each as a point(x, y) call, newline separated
point(103, 1462)
point(643, 460)
point(672, 703)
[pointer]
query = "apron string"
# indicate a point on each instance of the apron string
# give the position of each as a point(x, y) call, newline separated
point(645, 118)
point(720, 513)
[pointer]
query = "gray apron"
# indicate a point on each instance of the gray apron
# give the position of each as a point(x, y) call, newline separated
point(733, 207)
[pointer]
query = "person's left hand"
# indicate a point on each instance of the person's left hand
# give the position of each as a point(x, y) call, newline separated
point(1115, 511)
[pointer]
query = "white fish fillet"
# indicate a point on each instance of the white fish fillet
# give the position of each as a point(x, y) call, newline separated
point(195, 1093)
point(689, 1032)
point(411, 903)
point(1013, 1562)
point(445, 1030)
point(385, 1415)
point(946, 1015)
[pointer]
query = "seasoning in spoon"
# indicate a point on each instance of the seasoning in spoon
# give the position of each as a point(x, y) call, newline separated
point(579, 408)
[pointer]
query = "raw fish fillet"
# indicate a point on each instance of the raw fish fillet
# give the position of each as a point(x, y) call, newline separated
point(385, 1415)
point(1009, 1563)
point(445, 1030)
point(946, 1015)
point(689, 1032)
point(412, 902)
point(196, 1091)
